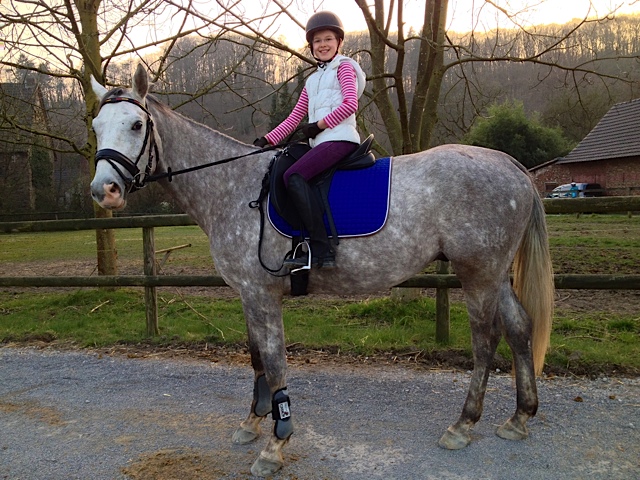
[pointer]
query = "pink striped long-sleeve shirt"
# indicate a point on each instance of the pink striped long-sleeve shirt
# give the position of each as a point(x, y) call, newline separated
point(347, 79)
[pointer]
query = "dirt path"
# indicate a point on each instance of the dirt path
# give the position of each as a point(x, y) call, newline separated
point(79, 415)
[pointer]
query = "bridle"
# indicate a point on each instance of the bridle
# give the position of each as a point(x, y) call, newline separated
point(138, 180)
point(117, 159)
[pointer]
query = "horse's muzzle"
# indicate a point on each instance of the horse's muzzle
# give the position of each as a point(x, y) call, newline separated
point(108, 195)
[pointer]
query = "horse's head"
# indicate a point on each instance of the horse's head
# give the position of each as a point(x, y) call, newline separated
point(127, 147)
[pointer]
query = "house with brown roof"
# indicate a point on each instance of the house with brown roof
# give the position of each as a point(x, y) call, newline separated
point(609, 155)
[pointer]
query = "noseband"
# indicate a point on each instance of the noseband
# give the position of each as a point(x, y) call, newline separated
point(117, 159)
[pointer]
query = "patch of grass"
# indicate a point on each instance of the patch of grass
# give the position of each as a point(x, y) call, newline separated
point(47, 246)
point(93, 318)
point(83, 317)
point(371, 326)
point(98, 318)
point(604, 244)
point(595, 342)
point(81, 246)
point(625, 325)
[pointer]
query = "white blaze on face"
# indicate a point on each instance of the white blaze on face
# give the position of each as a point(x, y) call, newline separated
point(119, 127)
point(114, 128)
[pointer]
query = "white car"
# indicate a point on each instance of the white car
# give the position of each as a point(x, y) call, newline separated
point(576, 190)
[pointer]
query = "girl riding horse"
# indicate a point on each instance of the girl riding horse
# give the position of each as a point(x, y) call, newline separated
point(330, 99)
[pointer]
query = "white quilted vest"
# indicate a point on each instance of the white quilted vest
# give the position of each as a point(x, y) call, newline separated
point(325, 96)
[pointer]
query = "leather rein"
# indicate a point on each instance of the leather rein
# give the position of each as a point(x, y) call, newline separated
point(139, 180)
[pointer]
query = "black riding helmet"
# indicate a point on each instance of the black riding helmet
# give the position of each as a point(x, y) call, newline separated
point(323, 21)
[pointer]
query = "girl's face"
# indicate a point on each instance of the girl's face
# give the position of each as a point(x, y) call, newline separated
point(325, 45)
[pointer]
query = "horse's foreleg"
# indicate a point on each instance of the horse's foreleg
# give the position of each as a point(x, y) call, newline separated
point(485, 334)
point(263, 314)
point(270, 459)
point(249, 429)
point(517, 330)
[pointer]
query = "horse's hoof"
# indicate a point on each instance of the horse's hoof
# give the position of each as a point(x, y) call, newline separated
point(242, 436)
point(510, 431)
point(452, 440)
point(263, 467)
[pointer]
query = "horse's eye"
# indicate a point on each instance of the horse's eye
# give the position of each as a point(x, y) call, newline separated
point(137, 125)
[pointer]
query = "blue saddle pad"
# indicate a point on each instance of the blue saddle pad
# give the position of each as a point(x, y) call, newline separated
point(359, 201)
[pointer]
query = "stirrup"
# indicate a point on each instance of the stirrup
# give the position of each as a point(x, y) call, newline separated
point(295, 265)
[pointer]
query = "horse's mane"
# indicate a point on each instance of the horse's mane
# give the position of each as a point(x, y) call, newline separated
point(122, 92)
point(163, 109)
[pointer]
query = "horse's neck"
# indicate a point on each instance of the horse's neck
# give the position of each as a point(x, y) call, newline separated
point(210, 193)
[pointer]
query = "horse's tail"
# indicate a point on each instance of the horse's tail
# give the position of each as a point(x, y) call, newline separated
point(533, 282)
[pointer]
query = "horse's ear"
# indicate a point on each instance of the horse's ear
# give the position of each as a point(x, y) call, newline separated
point(140, 82)
point(98, 89)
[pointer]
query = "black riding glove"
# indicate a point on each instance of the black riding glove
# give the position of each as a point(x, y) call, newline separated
point(311, 130)
point(261, 142)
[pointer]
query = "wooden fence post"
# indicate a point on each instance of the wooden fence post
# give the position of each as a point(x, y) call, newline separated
point(150, 295)
point(442, 306)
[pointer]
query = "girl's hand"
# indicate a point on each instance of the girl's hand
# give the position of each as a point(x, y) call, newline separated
point(311, 130)
point(261, 142)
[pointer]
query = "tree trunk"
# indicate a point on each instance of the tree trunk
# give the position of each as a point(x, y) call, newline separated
point(429, 74)
point(107, 254)
point(430, 116)
point(87, 36)
point(380, 87)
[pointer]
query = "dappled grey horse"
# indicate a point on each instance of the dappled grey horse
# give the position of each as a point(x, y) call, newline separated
point(475, 206)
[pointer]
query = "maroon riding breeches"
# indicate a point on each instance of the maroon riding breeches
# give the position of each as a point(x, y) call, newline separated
point(319, 158)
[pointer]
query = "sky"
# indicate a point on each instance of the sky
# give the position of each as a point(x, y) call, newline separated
point(464, 15)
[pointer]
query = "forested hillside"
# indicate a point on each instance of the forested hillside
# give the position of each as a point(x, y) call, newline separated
point(562, 86)
point(243, 89)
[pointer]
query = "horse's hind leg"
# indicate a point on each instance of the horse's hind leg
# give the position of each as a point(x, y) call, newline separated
point(485, 335)
point(263, 314)
point(517, 332)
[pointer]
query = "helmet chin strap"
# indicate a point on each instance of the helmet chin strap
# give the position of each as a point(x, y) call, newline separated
point(322, 64)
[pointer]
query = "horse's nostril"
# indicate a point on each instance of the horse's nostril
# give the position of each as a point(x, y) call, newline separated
point(113, 188)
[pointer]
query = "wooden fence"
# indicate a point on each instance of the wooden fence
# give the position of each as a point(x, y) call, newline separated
point(442, 281)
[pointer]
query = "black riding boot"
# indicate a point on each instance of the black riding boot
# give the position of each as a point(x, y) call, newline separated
point(310, 210)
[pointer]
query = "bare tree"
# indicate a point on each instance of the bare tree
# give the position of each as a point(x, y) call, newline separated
point(68, 41)
point(407, 68)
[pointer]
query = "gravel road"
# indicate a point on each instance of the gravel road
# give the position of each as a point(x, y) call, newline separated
point(84, 415)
